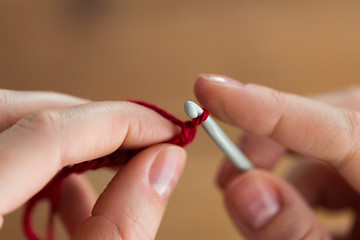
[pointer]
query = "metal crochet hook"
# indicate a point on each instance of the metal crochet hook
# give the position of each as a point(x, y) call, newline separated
point(220, 138)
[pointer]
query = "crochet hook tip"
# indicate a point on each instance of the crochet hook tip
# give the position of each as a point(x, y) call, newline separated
point(192, 109)
point(221, 139)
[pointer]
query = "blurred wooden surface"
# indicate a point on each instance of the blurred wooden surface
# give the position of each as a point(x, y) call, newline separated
point(153, 50)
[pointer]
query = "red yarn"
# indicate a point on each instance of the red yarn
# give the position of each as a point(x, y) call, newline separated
point(52, 190)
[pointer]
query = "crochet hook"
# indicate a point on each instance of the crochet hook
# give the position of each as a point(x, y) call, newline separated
point(220, 138)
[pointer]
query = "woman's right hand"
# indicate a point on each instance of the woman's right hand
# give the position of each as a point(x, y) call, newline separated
point(264, 206)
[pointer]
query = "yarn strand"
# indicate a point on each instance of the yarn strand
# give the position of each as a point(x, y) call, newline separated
point(52, 190)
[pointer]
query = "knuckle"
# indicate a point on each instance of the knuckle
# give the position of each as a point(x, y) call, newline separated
point(271, 105)
point(136, 130)
point(47, 122)
point(353, 122)
point(5, 97)
point(278, 96)
point(137, 228)
point(134, 229)
point(280, 99)
point(4, 94)
point(352, 119)
point(101, 219)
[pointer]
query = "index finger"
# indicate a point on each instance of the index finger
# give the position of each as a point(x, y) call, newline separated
point(302, 125)
point(36, 147)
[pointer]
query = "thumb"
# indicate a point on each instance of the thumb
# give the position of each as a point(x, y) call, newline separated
point(132, 205)
point(266, 207)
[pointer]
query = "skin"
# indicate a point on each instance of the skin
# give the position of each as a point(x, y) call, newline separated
point(323, 132)
point(46, 131)
point(54, 130)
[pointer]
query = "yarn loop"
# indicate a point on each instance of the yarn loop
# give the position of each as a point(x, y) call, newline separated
point(52, 190)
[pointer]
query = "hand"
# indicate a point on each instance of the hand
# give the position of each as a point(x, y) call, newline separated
point(264, 206)
point(43, 132)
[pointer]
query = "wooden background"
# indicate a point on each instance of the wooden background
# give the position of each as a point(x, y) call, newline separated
point(153, 50)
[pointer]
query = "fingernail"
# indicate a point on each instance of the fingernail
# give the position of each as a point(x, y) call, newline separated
point(166, 169)
point(254, 201)
point(220, 79)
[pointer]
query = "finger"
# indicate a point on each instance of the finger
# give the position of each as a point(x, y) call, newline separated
point(302, 125)
point(76, 201)
point(265, 207)
point(226, 173)
point(41, 144)
point(133, 204)
point(310, 178)
point(265, 152)
point(346, 98)
point(15, 105)
point(262, 151)
point(320, 184)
